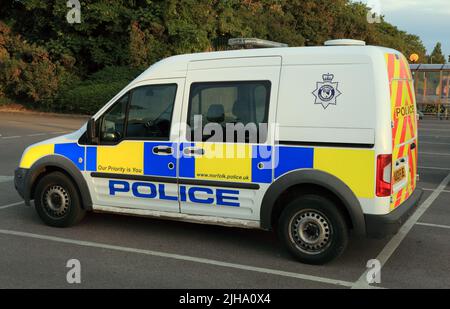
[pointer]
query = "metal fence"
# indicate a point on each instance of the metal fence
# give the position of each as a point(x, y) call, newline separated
point(432, 86)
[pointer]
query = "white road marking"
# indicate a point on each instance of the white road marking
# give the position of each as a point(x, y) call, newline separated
point(396, 240)
point(432, 129)
point(434, 168)
point(37, 134)
point(433, 143)
point(10, 137)
point(6, 178)
point(11, 205)
point(436, 136)
point(178, 257)
point(443, 191)
point(433, 225)
point(434, 153)
point(34, 134)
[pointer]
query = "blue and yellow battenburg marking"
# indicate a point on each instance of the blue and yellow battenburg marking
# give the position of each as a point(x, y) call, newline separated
point(71, 151)
point(228, 162)
point(224, 162)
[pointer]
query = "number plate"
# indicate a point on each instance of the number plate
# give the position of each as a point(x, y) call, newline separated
point(399, 174)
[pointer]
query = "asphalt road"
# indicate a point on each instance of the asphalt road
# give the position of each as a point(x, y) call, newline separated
point(129, 252)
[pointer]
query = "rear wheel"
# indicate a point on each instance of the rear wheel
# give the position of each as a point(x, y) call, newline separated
point(57, 201)
point(313, 229)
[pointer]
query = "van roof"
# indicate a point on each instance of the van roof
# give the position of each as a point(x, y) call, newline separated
point(176, 66)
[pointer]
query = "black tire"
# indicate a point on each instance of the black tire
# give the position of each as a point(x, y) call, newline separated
point(313, 229)
point(57, 201)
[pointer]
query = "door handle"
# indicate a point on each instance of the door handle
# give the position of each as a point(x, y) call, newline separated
point(194, 151)
point(162, 150)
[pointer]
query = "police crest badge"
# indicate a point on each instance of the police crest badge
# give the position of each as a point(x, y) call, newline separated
point(327, 91)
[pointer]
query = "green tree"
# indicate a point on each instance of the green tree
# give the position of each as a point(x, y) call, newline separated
point(26, 70)
point(137, 33)
point(437, 56)
point(390, 36)
point(140, 32)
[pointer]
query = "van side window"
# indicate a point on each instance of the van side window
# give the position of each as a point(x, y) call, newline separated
point(150, 112)
point(238, 109)
point(113, 121)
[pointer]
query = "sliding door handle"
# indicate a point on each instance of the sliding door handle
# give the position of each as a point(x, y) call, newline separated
point(162, 150)
point(191, 151)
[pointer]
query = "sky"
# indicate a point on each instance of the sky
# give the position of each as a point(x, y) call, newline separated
point(429, 19)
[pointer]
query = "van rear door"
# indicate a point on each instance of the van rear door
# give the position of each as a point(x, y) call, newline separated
point(404, 129)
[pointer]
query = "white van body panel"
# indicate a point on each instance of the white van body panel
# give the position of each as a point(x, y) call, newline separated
point(352, 122)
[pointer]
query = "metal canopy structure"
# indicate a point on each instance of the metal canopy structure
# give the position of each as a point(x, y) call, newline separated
point(429, 67)
point(432, 87)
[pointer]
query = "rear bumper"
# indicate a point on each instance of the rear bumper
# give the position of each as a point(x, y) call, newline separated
point(379, 226)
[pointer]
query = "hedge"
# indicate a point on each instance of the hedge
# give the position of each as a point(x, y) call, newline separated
point(90, 95)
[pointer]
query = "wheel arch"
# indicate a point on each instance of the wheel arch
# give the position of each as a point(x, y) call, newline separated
point(311, 181)
point(52, 163)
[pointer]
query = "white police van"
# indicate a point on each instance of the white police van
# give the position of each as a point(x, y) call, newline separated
point(313, 142)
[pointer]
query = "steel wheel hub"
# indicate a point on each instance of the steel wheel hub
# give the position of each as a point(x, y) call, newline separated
point(56, 201)
point(311, 231)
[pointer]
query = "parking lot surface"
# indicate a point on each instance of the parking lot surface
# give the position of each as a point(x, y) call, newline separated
point(130, 252)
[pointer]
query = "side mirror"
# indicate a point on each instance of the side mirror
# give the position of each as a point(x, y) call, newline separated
point(91, 132)
point(111, 136)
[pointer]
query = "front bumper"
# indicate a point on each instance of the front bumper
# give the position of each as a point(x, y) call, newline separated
point(20, 183)
point(379, 226)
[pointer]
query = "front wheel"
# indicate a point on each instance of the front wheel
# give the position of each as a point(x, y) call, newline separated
point(313, 229)
point(57, 201)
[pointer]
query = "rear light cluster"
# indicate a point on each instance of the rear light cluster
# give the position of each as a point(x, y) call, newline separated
point(384, 171)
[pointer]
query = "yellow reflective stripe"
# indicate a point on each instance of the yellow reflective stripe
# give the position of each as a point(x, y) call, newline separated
point(124, 158)
point(398, 134)
point(396, 68)
point(356, 168)
point(224, 162)
point(35, 153)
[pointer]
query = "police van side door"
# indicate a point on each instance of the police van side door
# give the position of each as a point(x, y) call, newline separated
point(134, 165)
point(219, 176)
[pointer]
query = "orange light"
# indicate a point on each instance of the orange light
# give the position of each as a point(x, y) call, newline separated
point(414, 58)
